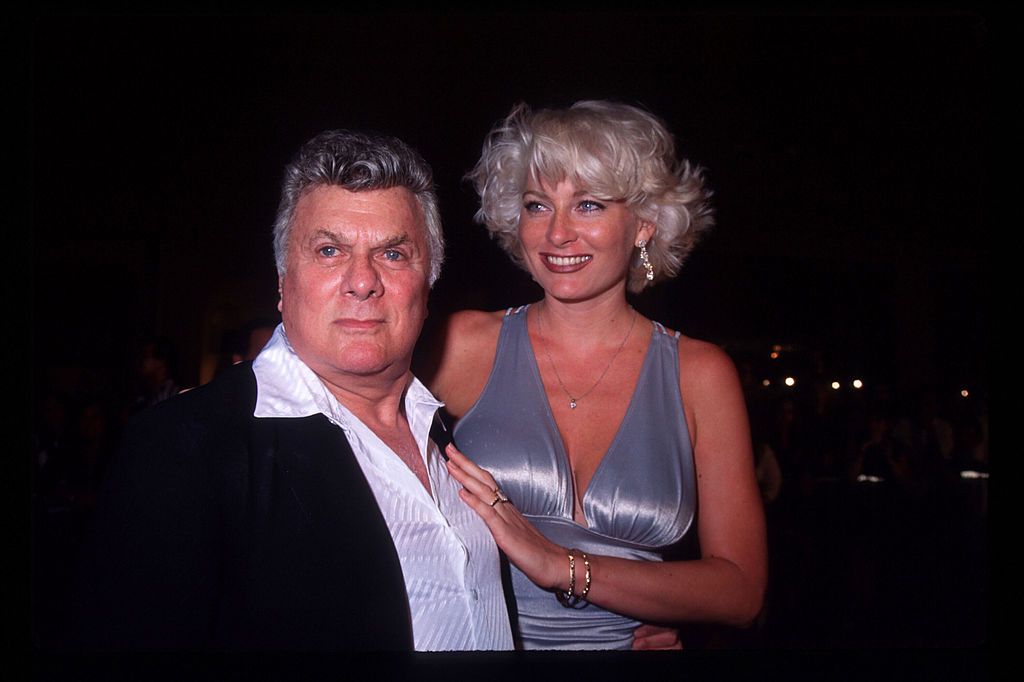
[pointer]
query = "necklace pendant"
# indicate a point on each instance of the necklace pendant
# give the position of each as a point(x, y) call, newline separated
point(572, 403)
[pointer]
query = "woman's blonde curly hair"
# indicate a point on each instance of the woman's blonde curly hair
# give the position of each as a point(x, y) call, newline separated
point(617, 152)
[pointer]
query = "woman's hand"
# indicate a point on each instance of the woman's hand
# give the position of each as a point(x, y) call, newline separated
point(656, 637)
point(543, 562)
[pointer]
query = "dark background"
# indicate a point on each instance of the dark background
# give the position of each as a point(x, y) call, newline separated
point(847, 152)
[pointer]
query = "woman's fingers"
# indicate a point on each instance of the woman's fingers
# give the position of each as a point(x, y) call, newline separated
point(648, 637)
point(472, 485)
point(539, 558)
point(478, 482)
point(469, 466)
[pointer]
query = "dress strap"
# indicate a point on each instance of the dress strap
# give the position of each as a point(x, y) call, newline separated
point(660, 328)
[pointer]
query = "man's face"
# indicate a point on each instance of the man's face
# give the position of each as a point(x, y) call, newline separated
point(354, 295)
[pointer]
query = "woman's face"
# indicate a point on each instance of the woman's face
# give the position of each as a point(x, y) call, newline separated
point(575, 245)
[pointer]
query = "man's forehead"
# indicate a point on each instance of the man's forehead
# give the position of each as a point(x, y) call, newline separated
point(374, 215)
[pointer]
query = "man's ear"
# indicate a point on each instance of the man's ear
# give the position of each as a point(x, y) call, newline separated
point(280, 292)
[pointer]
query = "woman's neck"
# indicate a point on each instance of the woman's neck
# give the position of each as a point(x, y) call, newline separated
point(589, 323)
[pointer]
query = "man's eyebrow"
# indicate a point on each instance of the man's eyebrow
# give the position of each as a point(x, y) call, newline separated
point(397, 240)
point(324, 233)
point(389, 242)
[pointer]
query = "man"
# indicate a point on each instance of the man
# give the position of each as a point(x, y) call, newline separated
point(296, 503)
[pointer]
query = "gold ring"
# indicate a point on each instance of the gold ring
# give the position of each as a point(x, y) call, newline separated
point(499, 496)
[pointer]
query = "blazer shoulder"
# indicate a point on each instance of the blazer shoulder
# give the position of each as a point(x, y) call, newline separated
point(230, 394)
point(220, 409)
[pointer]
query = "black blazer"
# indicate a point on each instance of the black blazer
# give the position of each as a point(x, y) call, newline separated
point(218, 531)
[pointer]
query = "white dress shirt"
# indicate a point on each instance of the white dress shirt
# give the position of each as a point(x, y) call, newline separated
point(448, 558)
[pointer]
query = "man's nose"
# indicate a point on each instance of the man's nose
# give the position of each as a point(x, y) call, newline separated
point(362, 280)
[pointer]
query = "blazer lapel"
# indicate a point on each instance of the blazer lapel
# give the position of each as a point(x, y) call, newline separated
point(317, 466)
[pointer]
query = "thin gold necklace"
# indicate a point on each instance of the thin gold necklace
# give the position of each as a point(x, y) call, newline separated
point(574, 401)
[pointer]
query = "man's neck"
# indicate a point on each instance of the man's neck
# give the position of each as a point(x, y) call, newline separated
point(377, 401)
point(381, 407)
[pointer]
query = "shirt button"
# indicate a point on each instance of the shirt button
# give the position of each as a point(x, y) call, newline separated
point(474, 595)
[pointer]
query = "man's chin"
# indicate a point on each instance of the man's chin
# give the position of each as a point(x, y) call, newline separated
point(368, 364)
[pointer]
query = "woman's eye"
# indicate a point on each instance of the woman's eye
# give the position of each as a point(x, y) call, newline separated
point(533, 206)
point(588, 205)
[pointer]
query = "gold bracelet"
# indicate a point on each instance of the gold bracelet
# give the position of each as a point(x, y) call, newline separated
point(569, 599)
point(564, 597)
point(586, 584)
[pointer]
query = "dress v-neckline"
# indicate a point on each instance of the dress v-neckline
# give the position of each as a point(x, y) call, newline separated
point(560, 443)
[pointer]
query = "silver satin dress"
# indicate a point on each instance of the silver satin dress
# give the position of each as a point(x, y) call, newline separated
point(640, 503)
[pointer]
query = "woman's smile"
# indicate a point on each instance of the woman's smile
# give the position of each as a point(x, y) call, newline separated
point(565, 264)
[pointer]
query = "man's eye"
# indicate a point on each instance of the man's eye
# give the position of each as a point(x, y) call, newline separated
point(328, 251)
point(393, 255)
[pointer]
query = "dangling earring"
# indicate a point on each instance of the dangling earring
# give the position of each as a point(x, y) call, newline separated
point(646, 260)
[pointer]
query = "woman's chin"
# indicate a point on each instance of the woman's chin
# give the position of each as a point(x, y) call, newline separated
point(579, 292)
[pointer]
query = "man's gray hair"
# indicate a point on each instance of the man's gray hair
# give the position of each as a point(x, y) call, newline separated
point(358, 162)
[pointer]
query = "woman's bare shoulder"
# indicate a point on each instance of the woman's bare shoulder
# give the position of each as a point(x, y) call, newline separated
point(463, 357)
point(705, 366)
point(470, 326)
point(714, 401)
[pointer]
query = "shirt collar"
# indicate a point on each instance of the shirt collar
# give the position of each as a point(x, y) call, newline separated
point(287, 387)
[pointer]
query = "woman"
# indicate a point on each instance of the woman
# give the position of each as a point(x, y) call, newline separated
point(602, 429)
